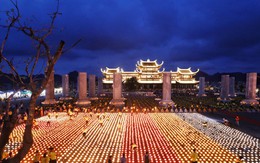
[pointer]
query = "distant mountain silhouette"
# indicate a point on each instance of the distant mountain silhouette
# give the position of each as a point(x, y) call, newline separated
point(239, 76)
point(217, 76)
point(202, 74)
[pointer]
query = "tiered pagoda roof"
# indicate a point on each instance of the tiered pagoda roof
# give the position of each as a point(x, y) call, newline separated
point(148, 72)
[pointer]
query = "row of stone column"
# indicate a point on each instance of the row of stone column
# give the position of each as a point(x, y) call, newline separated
point(228, 88)
point(117, 100)
point(81, 89)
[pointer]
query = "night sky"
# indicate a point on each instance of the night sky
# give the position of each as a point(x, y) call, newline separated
point(212, 35)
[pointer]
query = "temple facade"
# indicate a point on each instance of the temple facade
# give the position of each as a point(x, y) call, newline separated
point(150, 72)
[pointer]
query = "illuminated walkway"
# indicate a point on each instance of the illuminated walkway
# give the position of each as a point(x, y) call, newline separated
point(142, 131)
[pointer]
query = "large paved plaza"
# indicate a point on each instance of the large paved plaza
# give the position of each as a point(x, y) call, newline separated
point(168, 137)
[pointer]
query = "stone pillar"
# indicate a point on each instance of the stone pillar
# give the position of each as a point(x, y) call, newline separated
point(167, 89)
point(232, 92)
point(251, 80)
point(92, 87)
point(65, 88)
point(100, 86)
point(82, 89)
point(117, 90)
point(49, 93)
point(65, 85)
point(224, 88)
point(202, 87)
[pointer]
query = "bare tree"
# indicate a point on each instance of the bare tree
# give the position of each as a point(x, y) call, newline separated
point(42, 51)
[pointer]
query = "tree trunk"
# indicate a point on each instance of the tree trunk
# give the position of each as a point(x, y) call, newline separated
point(27, 137)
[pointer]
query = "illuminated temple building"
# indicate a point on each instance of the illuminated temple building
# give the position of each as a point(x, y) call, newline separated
point(150, 73)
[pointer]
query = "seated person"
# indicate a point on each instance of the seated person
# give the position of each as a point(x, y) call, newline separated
point(134, 146)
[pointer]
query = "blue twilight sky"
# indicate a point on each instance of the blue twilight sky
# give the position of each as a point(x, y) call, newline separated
point(212, 35)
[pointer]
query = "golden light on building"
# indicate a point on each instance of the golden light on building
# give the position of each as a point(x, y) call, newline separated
point(148, 72)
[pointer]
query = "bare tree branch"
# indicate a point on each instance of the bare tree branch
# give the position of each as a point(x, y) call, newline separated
point(35, 61)
point(54, 16)
point(15, 73)
point(75, 44)
point(14, 19)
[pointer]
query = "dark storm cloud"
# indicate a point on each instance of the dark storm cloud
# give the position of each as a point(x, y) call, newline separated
point(210, 30)
point(121, 25)
point(200, 34)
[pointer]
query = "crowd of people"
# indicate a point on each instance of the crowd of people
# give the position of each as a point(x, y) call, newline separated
point(194, 157)
point(48, 157)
